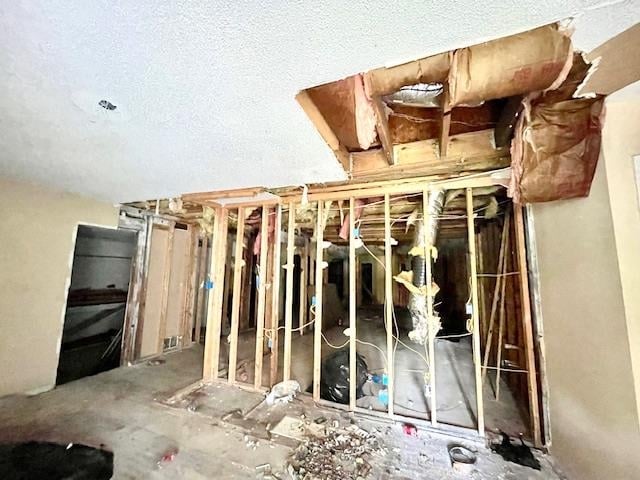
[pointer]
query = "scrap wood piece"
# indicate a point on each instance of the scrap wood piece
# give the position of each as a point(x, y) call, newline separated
point(500, 281)
point(445, 121)
point(382, 127)
point(615, 64)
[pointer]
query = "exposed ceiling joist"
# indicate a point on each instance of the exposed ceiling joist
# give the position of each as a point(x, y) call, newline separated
point(316, 117)
point(382, 127)
point(445, 122)
point(465, 153)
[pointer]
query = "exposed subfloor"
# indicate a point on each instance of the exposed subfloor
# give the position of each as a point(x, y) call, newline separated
point(219, 431)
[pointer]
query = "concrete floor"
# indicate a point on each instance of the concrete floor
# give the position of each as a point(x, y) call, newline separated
point(119, 409)
point(219, 431)
point(455, 380)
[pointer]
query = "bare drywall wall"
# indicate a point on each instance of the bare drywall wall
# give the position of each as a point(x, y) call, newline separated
point(620, 143)
point(37, 235)
point(594, 420)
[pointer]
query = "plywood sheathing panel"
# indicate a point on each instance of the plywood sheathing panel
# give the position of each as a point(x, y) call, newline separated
point(530, 61)
point(347, 110)
point(467, 152)
point(410, 124)
point(336, 102)
point(177, 283)
point(153, 304)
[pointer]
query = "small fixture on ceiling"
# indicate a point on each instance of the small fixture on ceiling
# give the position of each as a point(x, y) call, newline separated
point(106, 104)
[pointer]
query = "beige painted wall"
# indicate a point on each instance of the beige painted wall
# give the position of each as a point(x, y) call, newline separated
point(583, 280)
point(620, 142)
point(37, 234)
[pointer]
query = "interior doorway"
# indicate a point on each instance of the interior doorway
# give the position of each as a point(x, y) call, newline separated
point(96, 302)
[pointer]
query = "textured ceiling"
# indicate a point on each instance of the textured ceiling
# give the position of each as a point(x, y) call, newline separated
point(205, 90)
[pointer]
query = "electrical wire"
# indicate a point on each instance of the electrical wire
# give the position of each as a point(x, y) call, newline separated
point(414, 119)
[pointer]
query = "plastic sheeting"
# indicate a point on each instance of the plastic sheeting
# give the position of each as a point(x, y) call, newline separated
point(334, 378)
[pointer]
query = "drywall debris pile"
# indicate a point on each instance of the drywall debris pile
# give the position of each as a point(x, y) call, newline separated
point(339, 454)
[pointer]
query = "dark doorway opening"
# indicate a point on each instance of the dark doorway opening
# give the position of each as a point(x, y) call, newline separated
point(336, 276)
point(96, 302)
point(297, 271)
point(367, 284)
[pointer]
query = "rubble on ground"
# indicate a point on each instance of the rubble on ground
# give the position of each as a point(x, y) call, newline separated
point(337, 454)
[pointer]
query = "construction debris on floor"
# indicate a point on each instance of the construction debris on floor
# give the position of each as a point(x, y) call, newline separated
point(335, 454)
point(220, 431)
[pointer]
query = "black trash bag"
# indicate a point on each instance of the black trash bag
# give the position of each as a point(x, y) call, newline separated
point(520, 454)
point(334, 377)
point(52, 461)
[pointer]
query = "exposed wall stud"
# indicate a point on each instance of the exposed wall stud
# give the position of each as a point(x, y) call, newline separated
point(474, 314)
point(526, 324)
point(262, 291)
point(275, 296)
point(133, 310)
point(214, 302)
point(202, 291)
point(317, 335)
point(352, 306)
point(304, 269)
point(431, 348)
point(388, 300)
point(236, 298)
point(288, 313)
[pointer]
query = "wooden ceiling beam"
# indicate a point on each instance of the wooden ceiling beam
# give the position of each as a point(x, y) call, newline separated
point(221, 194)
point(382, 127)
point(382, 123)
point(445, 121)
point(325, 131)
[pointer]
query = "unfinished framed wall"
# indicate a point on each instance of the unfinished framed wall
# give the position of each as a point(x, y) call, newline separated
point(289, 234)
point(162, 305)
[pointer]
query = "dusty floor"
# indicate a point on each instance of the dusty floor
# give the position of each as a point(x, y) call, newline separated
point(455, 380)
point(218, 431)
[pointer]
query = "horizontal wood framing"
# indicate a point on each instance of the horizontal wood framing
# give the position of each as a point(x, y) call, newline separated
point(414, 184)
point(464, 153)
point(321, 201)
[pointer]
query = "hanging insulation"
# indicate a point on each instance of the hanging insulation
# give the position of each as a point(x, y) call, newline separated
point(536, 60)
